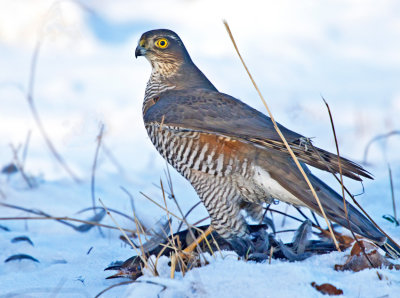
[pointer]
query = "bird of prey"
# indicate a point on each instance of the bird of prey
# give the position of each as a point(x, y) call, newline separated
point(230, 152)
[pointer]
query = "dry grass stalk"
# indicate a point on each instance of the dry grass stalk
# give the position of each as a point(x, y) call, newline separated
point(112, 210)
point(173, 241)
point(26, 146)
point(271, 252)
point(112, 158)
point(131, 282)
point(2, 194)
point(342, 183)
point(216, 244)
point(166, 207)
point(163, 208)
point(65, 218)
point(175, 255)
point(140, 231)
point(186, 215)
point(159, 255)
point(94, 166)
point(392, 192)
point(142, 257)
point(377, 138)
point(20, 166)
point(139, 227)
point(30, 99)
point(162, 123)
point(186, 256)
point(169, 180)
point(173, 265)
point(283, 138)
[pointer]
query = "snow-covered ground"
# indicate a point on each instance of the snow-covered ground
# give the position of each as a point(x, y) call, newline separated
point(346, 51)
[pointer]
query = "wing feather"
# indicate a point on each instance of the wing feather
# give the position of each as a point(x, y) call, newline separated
point(218, 113)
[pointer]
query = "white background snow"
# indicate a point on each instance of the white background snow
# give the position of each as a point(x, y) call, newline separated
point(346, 51)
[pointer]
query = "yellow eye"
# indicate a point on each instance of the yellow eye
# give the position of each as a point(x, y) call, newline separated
point(162, 43)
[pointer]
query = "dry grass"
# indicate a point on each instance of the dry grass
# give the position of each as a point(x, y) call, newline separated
point(141, 253)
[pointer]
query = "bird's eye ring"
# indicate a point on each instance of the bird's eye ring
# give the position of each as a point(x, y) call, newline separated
point(162, 43)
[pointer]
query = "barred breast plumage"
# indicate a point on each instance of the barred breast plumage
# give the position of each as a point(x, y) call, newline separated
point(216, 167)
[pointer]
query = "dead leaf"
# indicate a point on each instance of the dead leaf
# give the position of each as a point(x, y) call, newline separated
point(327, 289)
point(357, 261)
point(343, 240)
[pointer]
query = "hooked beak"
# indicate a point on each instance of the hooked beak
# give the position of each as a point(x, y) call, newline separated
point(140, 49)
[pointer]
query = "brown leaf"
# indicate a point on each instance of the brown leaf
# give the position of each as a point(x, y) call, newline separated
point(368, 247)
point(327, 289)
point(357, 260)
point(343, 240)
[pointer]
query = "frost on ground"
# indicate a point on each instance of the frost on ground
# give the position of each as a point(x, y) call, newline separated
point(87, 75)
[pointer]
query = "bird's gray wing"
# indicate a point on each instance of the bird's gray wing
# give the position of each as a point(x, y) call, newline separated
point(218, 113)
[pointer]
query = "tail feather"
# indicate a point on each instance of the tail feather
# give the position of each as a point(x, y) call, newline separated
point(316, 157)
point(333, 206)
point(391, 248)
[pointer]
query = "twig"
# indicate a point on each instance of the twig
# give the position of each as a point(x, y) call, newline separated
point(130, 282)
point(163, 208)
point(342, 185)
point(286, 231)
point(315, 218)
point(377, 138)
point(294, 218)
point(173, 265)
point(186, 215)
point(135, 217)
point(140, 230)
point(301, 212)
point(174, 241)
point(176, 256)
point(271, 252)
point(20, 167)
point(125, 235)
point(112, 210)
point(200, 221)
point(62, 220)
point(283, 139)
point(93, 176)
point(30, 99)
point(57, 289)
point(392, 192)
point(284, 218)
point(2, 194)
point(25, 150)
point(112, 158)
point(169, 180)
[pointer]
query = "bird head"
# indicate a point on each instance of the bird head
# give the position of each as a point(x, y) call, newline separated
point(170, 61)
point(164, 50)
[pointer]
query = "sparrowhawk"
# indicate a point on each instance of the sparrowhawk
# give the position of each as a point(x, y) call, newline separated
point(230, 152)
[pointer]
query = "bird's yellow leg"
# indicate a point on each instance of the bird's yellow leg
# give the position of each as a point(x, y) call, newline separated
point(198, 240)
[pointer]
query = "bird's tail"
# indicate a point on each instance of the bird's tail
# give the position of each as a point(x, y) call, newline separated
point(391, 248)
point(334, 209)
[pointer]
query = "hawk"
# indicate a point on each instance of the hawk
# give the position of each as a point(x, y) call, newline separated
point(231, 153)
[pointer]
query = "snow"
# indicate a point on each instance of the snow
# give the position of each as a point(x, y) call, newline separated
point(346, 51)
